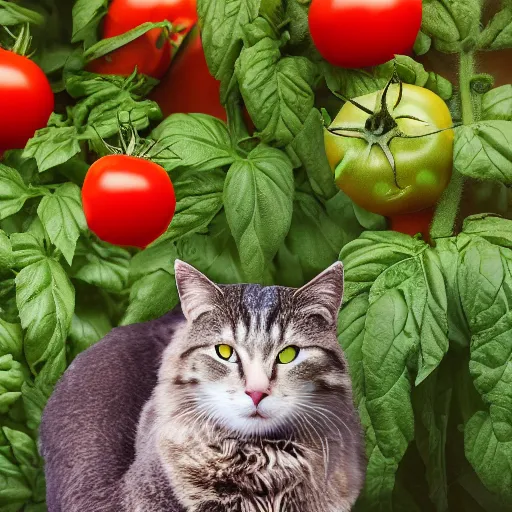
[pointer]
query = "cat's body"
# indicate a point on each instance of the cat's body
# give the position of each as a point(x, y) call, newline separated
point(202, 445)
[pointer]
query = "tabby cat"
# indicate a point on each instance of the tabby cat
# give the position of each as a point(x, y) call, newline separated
point(240, 401)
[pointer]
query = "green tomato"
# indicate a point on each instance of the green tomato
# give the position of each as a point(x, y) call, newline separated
point(423, 165)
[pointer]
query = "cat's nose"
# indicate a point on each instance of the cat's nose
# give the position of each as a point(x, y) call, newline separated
point(256, 396)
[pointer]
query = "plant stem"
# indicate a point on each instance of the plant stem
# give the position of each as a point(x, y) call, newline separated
point(443, 225)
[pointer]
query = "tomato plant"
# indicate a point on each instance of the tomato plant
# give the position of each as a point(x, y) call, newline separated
point(392, 162)
point(26, 100)
point(146, 52)
point(128, 200)
point(355, 34)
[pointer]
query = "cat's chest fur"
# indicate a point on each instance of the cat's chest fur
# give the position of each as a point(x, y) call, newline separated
point(238, 476)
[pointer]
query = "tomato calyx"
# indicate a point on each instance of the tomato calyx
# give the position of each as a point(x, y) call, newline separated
point(381, 126)
point(22, 41)
point(131, 143)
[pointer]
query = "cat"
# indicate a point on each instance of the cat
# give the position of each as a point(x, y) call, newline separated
point(238, 401)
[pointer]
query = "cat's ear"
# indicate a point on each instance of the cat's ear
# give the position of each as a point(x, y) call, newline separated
point(323, 295)
point(197, 293)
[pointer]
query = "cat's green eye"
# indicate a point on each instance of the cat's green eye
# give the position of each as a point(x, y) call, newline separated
point(224, 351)
point(288, 355)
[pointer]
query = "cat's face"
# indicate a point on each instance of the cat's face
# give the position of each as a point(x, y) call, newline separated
point(260, 361)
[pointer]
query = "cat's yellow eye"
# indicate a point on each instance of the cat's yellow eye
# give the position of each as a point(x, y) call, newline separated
point(288, 355)
point(224, 351)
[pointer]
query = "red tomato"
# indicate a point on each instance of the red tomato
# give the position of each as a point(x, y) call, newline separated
point(124, 15)
point(189, 87)
point(128, 200)
point(26, 100)
point(361, 33)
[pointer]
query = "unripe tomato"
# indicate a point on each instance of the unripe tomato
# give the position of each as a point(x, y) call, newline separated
point(423, 165)
point(26, 100)
point(361, 33)
point(128, 200)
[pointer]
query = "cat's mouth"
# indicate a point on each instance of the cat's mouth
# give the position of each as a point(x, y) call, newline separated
point(258, 415)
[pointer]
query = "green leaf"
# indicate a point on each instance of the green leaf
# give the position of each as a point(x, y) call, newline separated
point(431, 402)
point(13, 14)
point(422, 44)
point(497, 103)
point(215, 253)
point(102, 265)
point(108, 45)
point(151, 297)
point(314, 238)
point(449, 23)
point(54, 58)
point(63, 218)
point(405, 327)
point(192, 141)
point(351, 330)
point(222, 23)
point(46, 300)
point(158, 256)
point(276, 91)
point(6, 255)
point(27, 249)
point(53, 146)
point(15, 488)
point(11, 339)
point(89, 324)
point(458, 329)
point(497, 35)
point(366, 258)
point(491, 457)
point(258, 199)
point(308, 145)
point(12, 377)
point(484, 151)
point(494, 229)
point(369, 220)
point(103, 98)
point(86, 17)
point(13, 191)
point(199, 200)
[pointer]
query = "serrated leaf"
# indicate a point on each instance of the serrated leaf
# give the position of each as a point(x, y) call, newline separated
point(102, 265)
point(13, 192)
point(46, 300)
point(484, 151)
point(63, 218)
point(151, 297)
point(258, 199)
point(277, 91)
point(192, 141)
point(222, 23)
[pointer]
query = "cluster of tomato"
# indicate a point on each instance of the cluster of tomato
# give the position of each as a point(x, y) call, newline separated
point(347, 33)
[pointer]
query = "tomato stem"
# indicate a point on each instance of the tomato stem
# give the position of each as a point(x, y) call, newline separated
point(448, 207)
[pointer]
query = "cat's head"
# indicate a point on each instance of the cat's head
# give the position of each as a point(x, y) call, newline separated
point(258, 361)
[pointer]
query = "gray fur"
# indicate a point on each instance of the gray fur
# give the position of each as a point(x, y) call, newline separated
point(115, 437)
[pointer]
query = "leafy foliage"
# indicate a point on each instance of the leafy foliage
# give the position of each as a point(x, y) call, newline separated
point(426, 327)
